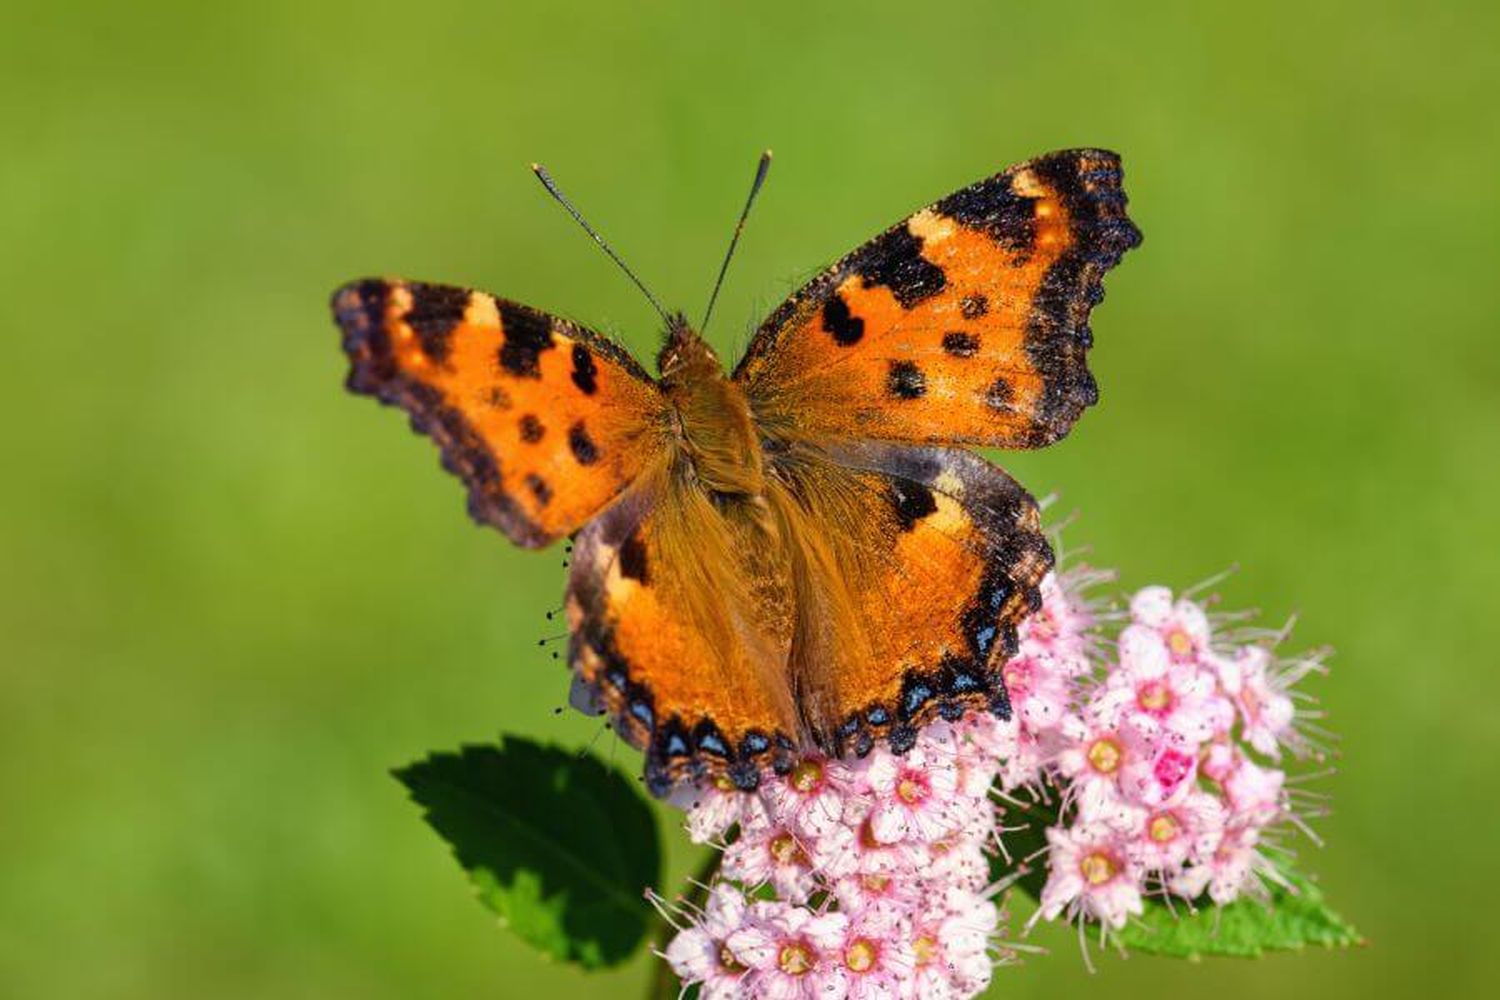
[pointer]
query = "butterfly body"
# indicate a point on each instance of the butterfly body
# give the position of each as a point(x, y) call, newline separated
point(799, 554)
point(715, 433)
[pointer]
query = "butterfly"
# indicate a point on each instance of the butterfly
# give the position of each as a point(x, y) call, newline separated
point(800, 554)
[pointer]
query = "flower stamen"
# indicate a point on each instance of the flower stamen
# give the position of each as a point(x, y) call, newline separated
point(1106, 755)
point(795, 958)
point(1097, 868)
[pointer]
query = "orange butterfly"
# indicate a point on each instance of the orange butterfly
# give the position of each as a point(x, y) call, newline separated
point(799, 554)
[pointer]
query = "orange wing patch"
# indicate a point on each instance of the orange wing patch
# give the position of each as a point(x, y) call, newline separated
point(941, 555)
point(966, 323)
point(546, 422)
point(682, 638)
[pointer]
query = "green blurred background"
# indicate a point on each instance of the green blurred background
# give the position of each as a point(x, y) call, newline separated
point(232, 596)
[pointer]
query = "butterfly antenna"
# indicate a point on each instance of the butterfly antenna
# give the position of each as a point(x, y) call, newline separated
point(761, 170)
point(547, 182)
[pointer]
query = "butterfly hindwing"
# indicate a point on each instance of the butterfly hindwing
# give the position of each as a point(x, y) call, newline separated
point(939, 556)
point(680, 634)
point(545, 421)
point(965, 323)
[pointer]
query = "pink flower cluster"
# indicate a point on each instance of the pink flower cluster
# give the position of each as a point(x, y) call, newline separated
point(1151, 744)
point(1164, 762)
point(880, 872)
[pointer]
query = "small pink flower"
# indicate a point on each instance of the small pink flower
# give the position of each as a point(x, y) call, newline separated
point(853, 849)
point(1161, 772)
point(776, 944)
point(1217, 760)
point(1152, 689)
point(1230, 870)
point(1094, 760)
point(915, 796)
point(700, 953)
point(1092, 875)
point(1059, 630)
point(1181, 627)
point(1040, 691)
point(960, 860)
point(807, 798)
point(1265, 710)
point(771, 854)
point(1256, 794)
point(714, 806)
point(1019, 752)
point(1166, 839)
point(885, 884)
point(866, 956)
point(950, 940)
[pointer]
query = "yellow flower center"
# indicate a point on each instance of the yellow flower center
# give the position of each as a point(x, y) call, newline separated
point(876, 883)
point(1162, 828)
point(1180, 643)
point(722, 783)
point(795, 959)
point(785, 849)
point(925, 949)
point(1097, 868)
point(807, 776)
point(1155, 696)
point(1105, 755)
point(860, 956)
point(910, 791)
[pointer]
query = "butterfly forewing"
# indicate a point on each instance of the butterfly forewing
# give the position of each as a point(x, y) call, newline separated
point(546, 422)
point(965, 323)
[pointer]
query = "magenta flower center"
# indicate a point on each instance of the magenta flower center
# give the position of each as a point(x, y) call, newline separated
point(1172, 767)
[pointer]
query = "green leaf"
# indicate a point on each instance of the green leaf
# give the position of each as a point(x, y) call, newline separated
point(1292, 919)
point(560, 846)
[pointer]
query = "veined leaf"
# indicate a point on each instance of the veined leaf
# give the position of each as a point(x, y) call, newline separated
point(1293, 918)
point(558, 845)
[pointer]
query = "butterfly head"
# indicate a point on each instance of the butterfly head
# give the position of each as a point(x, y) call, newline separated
point(685, 356)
